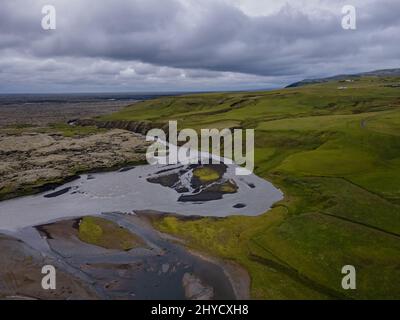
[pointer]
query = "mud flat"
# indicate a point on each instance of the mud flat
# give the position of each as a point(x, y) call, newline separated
point(237, 275)
point(152, 267)
point(20, 276)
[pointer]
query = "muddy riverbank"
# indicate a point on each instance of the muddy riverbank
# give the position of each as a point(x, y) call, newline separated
point(157, 267)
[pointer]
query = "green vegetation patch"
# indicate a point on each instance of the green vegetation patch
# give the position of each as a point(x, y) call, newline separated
point(107, 234)
point(73, 131)
point(228, 187)
point(206, 174)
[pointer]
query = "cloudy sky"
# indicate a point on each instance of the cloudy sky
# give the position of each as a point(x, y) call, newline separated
point(194, 45)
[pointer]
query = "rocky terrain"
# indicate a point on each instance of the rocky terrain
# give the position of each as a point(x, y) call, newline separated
point(44, 113)
point(31, 160)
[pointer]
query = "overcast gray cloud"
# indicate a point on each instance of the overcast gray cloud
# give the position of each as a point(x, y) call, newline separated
point(144, 45)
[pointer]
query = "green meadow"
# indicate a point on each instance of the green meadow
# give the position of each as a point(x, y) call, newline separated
point(335, 153)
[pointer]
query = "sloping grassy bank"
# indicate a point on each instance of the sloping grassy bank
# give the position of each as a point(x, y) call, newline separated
point(336, 155)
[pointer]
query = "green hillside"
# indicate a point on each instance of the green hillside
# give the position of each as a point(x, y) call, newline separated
point(334, 149)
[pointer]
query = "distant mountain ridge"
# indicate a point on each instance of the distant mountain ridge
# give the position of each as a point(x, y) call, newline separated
point(376, 73)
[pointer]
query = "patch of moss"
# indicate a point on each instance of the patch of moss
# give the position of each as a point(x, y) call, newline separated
point(226, 187)
point(107, 234)
point(72, 131)
point(206, 174)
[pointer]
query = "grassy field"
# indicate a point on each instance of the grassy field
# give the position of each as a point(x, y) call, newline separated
point(336, 155)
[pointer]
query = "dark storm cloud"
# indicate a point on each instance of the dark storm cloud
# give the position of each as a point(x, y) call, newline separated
point(213, 42)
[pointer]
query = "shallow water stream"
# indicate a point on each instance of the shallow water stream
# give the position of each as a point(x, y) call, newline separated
point(156, 271)
point(128, 190)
